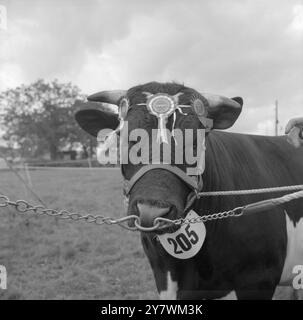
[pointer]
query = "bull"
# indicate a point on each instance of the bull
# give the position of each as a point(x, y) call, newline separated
point(249, 255)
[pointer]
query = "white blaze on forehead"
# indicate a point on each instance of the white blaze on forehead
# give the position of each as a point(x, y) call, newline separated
point(294, 254)
point(171, 292)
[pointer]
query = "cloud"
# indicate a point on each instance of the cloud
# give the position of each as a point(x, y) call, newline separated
point(249, 48)
point(297, 22)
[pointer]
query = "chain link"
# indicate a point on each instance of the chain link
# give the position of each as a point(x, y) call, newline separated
point(237, 212)
point(23, 207)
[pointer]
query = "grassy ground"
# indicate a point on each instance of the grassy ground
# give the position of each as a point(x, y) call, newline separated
point(49, 259)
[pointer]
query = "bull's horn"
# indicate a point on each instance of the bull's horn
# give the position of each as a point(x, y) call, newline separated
point(216, 100)
point(112, 97)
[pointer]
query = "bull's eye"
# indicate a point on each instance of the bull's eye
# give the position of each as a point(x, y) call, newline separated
point(123, 108)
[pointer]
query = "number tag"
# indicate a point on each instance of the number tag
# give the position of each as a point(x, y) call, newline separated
point(185, 242)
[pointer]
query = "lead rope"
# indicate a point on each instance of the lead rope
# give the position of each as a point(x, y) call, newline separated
point(249, 191)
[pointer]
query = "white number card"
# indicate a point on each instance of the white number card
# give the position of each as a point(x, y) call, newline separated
point(185, 242)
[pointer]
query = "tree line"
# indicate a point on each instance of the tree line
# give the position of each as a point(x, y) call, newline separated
point(39, 118)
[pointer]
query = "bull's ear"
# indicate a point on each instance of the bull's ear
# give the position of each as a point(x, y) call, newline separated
point(92, 120)
point(225, 114)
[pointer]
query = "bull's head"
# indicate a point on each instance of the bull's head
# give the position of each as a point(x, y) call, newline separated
point(160, 192)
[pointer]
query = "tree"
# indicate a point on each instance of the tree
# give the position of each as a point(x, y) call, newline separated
point(40, 117)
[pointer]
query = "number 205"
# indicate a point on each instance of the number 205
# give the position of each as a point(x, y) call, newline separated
point(183, 242)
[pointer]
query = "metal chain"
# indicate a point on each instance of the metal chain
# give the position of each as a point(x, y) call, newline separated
point(237, 212)
point(23, 207)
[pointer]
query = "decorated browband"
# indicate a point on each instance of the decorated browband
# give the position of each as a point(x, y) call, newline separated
point(162, 106)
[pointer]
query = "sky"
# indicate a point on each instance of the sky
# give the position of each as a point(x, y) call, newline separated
point(247, 48)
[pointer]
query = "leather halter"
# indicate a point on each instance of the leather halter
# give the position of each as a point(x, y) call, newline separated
point(195, 183)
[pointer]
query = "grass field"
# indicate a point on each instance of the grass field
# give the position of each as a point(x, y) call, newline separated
point(50, 259)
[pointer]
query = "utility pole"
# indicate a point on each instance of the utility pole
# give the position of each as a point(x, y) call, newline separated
point(276, 117)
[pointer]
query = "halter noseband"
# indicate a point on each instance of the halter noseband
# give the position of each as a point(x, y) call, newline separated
point(194, 184)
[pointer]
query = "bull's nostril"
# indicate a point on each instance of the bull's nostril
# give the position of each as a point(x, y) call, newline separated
point(149, 213)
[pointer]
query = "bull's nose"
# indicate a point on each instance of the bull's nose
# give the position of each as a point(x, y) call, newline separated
point(149, 213)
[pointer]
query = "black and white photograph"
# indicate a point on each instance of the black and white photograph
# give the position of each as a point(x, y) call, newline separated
point(151, 150)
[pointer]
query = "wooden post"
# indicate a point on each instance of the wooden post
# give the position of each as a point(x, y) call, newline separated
point(276, 118)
